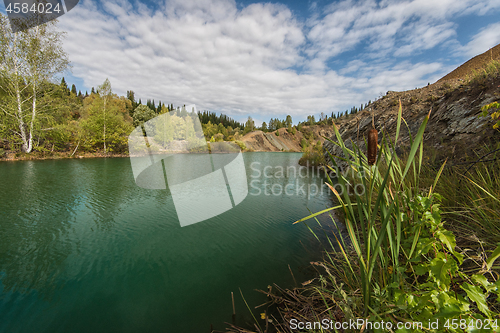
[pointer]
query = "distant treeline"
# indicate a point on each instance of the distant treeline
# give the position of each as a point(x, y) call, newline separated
point(100, 120)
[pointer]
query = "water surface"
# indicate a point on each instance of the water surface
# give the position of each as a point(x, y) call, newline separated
point(83, 249)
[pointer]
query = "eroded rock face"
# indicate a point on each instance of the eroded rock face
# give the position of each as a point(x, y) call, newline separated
point(454, 129)
point(260, 141)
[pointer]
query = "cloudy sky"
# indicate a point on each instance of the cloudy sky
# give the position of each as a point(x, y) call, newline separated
point(272, 59)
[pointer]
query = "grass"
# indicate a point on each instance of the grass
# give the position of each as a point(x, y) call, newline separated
point(492, 68)
point(398, 261)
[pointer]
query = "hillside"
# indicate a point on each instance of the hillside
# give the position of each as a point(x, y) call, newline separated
point(454, 130)
point(260, 141)
point(475, 64)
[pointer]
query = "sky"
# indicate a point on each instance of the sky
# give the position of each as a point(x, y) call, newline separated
point(270, 59)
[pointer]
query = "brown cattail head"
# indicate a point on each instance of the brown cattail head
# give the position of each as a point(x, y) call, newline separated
point(372, 146)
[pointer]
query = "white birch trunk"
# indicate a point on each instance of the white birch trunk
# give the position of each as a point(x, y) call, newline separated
point(19, 117)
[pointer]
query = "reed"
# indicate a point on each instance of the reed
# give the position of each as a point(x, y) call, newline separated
point(396, 262)
point(398, 258)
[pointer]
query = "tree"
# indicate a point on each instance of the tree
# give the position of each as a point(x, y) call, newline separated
point(264, 127)
point(64, 85)
point(73, 89)
point(142, 113)
point(28, 60)
point(184, 112)
point(311, 120)
point(131, 96)
point(105, 94)
point(249, 125)
point(118, 122)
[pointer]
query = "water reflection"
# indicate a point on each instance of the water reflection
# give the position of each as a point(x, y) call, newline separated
point(80, 240)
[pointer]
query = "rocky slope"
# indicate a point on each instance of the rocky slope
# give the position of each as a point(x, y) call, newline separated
point(454, 129)
point(260, 141)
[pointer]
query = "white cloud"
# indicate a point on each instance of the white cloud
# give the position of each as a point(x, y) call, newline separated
point(389, 28)
point(244, 61)
point(483, 40)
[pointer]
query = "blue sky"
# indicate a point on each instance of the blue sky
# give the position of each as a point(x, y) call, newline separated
point(270, 59)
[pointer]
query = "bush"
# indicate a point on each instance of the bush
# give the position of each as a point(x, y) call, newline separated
point(2, 152)
point(304, 143)
point(241, 144)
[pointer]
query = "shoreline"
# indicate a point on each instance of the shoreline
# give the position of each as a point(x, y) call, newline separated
point(41, 156)
point(37, 156)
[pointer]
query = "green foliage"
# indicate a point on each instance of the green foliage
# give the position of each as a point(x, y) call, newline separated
point(492, 68)
point(263, 128)
point(226, 121)
point(304, 143)
point(494, 115)
point(312, 155)
point(404, 261)
point(249, 126)
point(142, 114)
point(277, 133)
point(118, 124)
point(472, 202)
point(241, 144)
point(28, 61)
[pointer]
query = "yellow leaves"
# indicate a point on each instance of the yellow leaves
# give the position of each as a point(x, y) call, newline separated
point(494, 115)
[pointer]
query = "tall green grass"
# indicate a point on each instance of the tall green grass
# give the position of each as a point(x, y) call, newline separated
point(398, 254)
point(396, 261)
point(471, 204)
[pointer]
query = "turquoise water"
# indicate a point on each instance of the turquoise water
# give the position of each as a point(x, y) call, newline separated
point(84, 249)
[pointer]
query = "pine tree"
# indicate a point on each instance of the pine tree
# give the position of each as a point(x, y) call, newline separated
point(93, 91)
point(264, 127)
point(64, 85)
point(131, 97)
point(73, 89)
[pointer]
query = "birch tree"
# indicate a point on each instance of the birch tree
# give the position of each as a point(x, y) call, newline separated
point(28, 59)
point(105, 93)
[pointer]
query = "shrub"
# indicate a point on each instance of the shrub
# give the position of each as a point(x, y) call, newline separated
point(241, 144)
point(494, 115)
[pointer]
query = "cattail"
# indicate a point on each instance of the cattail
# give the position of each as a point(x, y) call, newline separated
point(372, 146)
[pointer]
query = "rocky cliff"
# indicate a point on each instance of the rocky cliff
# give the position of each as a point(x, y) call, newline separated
point(260, 141)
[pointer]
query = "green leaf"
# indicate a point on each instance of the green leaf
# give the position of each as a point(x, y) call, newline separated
point(439, 268)
point(421, 269)
point(447, 238)
point(494, 256)
point(481, 279)
point(448, 311)
point(477, 296)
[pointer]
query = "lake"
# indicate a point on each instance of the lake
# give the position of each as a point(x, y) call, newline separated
point(84, 249)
